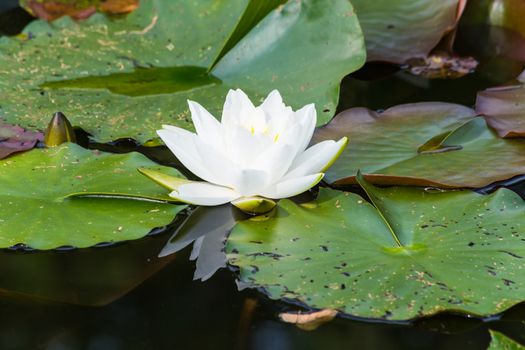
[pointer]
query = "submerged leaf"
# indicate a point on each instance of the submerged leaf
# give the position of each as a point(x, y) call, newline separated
point(95, 277)
point(125, 77)
point(404, 146)
point(396, 259)
point(37, 208)
point(14, 138)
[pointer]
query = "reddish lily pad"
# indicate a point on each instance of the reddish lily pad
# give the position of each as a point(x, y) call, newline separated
point(504, 108)
point(422, 144)
point(397, 30)
point(52, 9)
point(14, 138)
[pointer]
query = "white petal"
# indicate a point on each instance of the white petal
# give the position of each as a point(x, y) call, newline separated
point(208, 128)
point(317, 158)
point(243, 147)
point(292, 187)
point(251, 181)
point(274, 108)
point(224, 171)
point(229, 109)
point(182, 143)
point(307, 117)
point(239, 110)
point(204, 193)
point(292, 135)
point(275, 160)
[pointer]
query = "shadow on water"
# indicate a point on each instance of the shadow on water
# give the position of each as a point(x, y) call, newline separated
point(125, 297)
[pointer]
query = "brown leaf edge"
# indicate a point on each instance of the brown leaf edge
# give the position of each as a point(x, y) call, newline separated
point(309, 321)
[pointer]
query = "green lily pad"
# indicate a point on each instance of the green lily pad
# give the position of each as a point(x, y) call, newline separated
point(504, 108)
point(14, 139)
point(501, 342)
point(392, 147)
point(397, 30)
point(412, 253)
point(126, 77)
point(36, 207)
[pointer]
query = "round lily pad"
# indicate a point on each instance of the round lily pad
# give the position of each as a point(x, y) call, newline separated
point(423, 144)
point(411, 253)
point(126, 77)
point(37, 208)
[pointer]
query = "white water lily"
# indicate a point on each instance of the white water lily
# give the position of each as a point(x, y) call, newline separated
point(252, 152)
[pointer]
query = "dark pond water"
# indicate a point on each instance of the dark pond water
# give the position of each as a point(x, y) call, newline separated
point(125, 297)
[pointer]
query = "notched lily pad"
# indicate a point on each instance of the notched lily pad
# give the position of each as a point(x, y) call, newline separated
point(504, 108)
point(411, 253)
point(121, 78)
point(37, 208)
point(422, 144)
point(14, 138)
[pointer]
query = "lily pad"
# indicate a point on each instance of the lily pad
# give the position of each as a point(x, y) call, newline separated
point(397, 30)
point(501, 342)
point(411, 253)
point(36, 207)
point(395, 147)
point(126, 77)
point(504, 108)
point(13, 139)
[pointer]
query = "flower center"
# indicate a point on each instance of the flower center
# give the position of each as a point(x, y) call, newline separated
point(255, 129)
